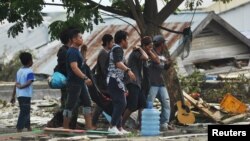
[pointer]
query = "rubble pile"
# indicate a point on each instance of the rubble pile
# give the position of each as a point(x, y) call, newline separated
point(41, 112)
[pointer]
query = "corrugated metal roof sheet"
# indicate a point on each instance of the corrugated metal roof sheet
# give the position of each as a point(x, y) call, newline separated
point(94, 40)
point(174, 22)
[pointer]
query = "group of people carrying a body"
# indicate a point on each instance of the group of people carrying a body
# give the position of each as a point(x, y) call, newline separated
point(130, 84)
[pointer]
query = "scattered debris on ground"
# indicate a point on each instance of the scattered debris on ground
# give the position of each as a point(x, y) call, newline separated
point(221, 112)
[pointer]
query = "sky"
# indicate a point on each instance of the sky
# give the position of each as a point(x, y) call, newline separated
point(106, 2)
point(53, 8)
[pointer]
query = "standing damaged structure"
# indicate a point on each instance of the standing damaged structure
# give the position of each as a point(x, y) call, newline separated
point(217, 48)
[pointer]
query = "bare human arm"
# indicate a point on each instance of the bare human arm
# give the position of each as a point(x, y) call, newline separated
point(144, 55)
point(79, 73)
point(18, 85)
point(13, 97)
point(154, 57)
point(123, 67)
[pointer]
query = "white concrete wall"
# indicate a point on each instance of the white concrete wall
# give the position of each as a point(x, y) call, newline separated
point(239, 18)
point(29, 39)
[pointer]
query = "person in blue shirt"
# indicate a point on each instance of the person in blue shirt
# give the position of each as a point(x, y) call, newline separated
point(76, 79)
point(23, 90)
point(57, 120)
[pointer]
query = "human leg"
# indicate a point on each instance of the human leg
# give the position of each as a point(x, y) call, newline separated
point(118, 100)
point(73, 94)
point(73, 120)
point(28, 107)
point(141, 106)
point(87, 107)
point(132, 101)
point(24, 114)
point(165, 103)
point(153, 91)
point(63, 97)
point(96, 114)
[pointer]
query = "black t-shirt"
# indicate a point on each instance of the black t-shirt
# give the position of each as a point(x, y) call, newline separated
point(117, 54)
point(61, 60)
point(135, 64)
point(101, 62)
point(156, 70)
point(101, 69)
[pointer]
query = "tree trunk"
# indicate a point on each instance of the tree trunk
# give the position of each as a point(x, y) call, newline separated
point(173, 87)
point(170, 76)
point(151, 30)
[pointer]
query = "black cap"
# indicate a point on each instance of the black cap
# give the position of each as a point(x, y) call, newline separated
point(158, 39)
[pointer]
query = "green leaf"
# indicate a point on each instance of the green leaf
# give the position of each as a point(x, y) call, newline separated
point(13, 30)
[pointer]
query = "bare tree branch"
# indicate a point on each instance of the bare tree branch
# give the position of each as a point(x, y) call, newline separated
point(137, 16)
point(167, 11)
point(150, 9)
point(139, 12)
point(123, 21)
point(109, 9)
point(54, 4)
point(138, 9)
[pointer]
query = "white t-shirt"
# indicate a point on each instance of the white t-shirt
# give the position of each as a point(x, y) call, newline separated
point(22, 76)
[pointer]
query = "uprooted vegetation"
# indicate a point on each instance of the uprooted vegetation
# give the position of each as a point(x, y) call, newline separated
point(214, 91)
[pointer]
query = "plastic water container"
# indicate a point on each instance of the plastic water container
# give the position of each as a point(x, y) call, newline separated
point(150, 124)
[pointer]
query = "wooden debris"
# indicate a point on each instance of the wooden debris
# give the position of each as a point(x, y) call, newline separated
point(63, 131)
point(111, 136)
point(233, 118)
point(213, 113)
point(47, 104)
point(75, 138)
point(241, 123)
point(98, 132)
point(44, 138)
point(95, 137)
point(28, 138)
point(236, 74)
point(183, 136)
point(15, 136)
